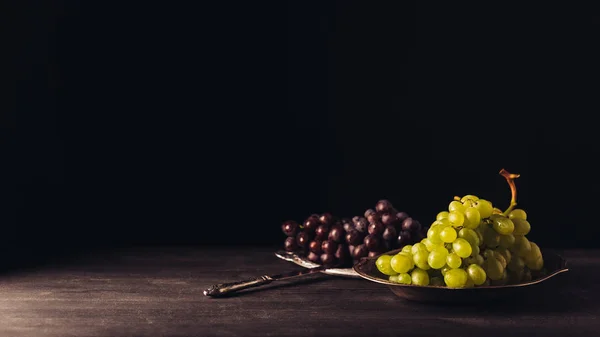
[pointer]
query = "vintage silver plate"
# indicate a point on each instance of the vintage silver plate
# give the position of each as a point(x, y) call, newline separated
point(304, 262)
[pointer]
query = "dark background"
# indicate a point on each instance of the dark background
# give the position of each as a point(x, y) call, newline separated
point(211, 123)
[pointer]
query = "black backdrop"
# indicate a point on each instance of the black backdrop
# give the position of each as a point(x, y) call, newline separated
point(211, 123)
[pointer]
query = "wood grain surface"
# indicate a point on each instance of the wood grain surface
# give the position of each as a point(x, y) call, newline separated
point(158, 292)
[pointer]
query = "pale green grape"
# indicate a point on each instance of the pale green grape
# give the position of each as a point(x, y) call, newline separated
point(474, 259)
point(533, 253)
point(384, 266)
point(407, 249)
point(433, 234)
point(497, 211)
point(517, 214)
point(493, 268)
point(506, 241)
point(533, 259)
point(474, 250)
point(442, 215)
point(472, 218)
point(536, 264)
point(477, 274)
point(453, 261)
point(503, 280)
point(500, 258)
point(404, 278)
point(489, 253)
point(462, 248)
point(522, 227)
point(430, 245)
point(515, 277)
point(470, 283)
point(486, 283)
point(419, 277)
point(401, 263)
point(505, 252)
point(418, 247)
point(522, 246)
point(420, 260)
point(445, 269)
point(456, 219)
point(469, 197)
point(502, 224)
point(484, 207)
point(479, 231)
point(469, 235)
point(516, 264)
point(436, 281)
point(456, 278)
point(448, 234)
point(456, 206)
point(444, 222)
point(393, 278)
point(437, 258)
point(491, 238)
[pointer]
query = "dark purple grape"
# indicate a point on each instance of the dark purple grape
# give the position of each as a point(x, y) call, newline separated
point(353, 237)
point(359, 252)
point(404, 238)
point(389, 233)
point(342, 252)
point(302, 239)
point(311, 224)
point(316, 258)
point(386, 245)
point(355, 219)
point(290, 244)
point(321, 232)
point(373, 217)
point(328, 259)
point(290, 228)
point(376, 228)
point(368, 212)
point(401, 216)
point(348, 226)
point(326, 219)
point(361, 225)
point(373, 253)
point(411, 225)
point(336, 234)
point(388, 218)
point(383, 205)
point(315, 246)
point(329, 247)
point(351, 249)
point(372, 242)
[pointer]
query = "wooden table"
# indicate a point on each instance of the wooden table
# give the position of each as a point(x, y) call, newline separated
point(158, 292)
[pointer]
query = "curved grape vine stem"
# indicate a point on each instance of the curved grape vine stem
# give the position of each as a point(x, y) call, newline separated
point(510, 178)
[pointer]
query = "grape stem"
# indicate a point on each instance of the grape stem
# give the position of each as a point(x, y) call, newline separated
point(510, 178)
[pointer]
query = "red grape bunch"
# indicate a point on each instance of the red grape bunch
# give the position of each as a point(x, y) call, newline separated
point(327, 240)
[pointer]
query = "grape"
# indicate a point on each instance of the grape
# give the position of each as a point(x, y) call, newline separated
point(491, 238)
point(376, 228)
point(444, 270)
point(484, 207)
point(383, 205)
point(504, 252)
point(502, 224)
point(526, 275)
point(313, 257)
point(290, 228)
point(290, 244)
point(522, 246)
point(329, 247)
point(500, 258)
point(359, 252)
point(402, 263)
point(388, 218)
point(336, 234)
point(404, 278)
point(456, 278)
point(322, 232)
point(373, 217)
point(311, 223)
point(342, 253)
point(469, 235)
point(373, 253)
point(469, 197)
point(515, 277)
point(472, 218)
point(328, 259)
point(475, 259)
point(456, 218)
point(442, 215)
point(437, 258)
point(517, 214)
point(353, 237)
point(420, 260)
point(474, 250)
point(522, 227)
point(453, 260)
point(493, 268)
point(326, 219)
point(393, 278)
point(361, 225)
point(368, 212)
point(488, 253)
point(419, 277)
point(477, 274)
point(501, 281)
point(456, 206)
point(418, 247)
point(348, 226)
point(534, 259)
point(430, 245)
point(410, 224)
point(433, 234)
point(448, 234)
point(315, 246)
point(389, 233)
point(437, 281)
point(506, 241)
point(462, 248)
point(386, 245)
point(401, 216)
point(404, 238)
point(372, 242)
point(407, 249)
point(303, 239)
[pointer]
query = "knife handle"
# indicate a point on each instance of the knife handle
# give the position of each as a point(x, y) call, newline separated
point(223, 289)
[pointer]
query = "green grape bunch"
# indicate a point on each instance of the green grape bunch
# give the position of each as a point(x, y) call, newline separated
point(472, 244)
